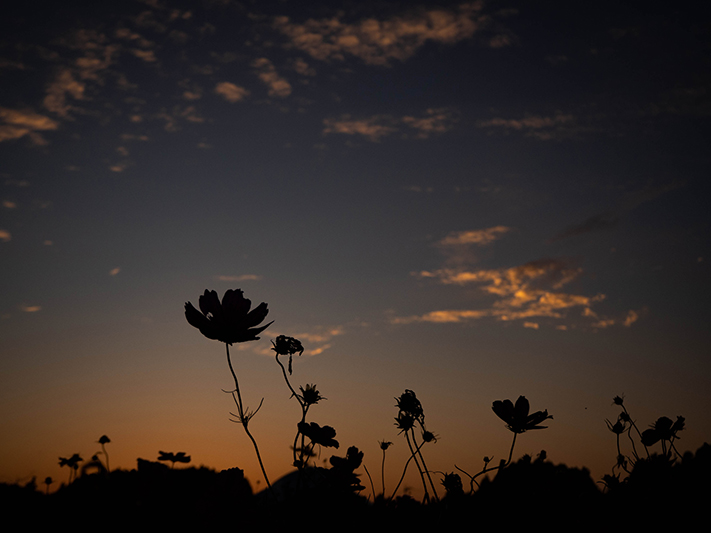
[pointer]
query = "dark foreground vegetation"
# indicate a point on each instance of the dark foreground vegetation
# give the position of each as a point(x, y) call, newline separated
point(651, 485)
point(657, 495)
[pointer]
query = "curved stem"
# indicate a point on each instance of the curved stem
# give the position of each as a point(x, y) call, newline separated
point(382, 473)
point(245, 420)
point(424, 466)
point(512, 449)
point(403, 474)
point(419, 468)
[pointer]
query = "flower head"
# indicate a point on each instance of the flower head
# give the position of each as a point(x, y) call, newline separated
point(310, 395)
point(104, 439)
point(662, 429)
point(284, 345)
point(384, 444)
point(324, 436)
point(409, 404)
point(516, 416)
point(230, 321)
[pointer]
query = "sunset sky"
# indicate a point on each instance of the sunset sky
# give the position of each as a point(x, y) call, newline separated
point(472, 200)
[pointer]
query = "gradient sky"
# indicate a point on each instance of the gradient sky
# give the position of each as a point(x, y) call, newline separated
point(474, 200)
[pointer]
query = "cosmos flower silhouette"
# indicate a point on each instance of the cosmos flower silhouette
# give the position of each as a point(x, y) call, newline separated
point(230, 321)
point(516, 416)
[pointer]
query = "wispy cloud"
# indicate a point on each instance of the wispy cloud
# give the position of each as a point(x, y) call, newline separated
point(15, 124)
point(480, 237)
point(556, 127)
point(114, 271)
point(431, 122)
point(611, 217)
point(5, 235)
point(231, 92)
point(526, 291)
point(243, 277)
point(378, 42)
point(63, 86)
point(30, 308)
point(267, 73)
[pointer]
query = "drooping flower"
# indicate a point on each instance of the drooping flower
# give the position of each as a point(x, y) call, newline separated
point(230, 321)
point(284, 345)
point(516, 416)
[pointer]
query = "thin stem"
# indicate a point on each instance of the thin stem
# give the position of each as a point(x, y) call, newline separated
point(372, 487)
point(512, 449)
point(419, 468)
point(424, 466)
point(304, 410)
point(382, 473)
point(403, 473)
point(245, 419)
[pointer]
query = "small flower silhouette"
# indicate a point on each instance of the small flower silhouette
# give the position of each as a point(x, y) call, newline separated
point(310, 395)
point(516, 416)
point(324, 436)
point(663, 429)
point(284, 345)
point(179, 457)
point(230, 321)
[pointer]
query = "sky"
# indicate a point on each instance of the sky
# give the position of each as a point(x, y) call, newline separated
point(471, 200)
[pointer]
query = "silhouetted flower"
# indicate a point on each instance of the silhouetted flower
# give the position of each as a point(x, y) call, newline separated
point(310, 395)
point(323, 436)
point(618, 400)
point(453, 484)
point(428, 436)
point(179, 457)
point(284, 345)
point(230, 321)
point(662, 429)
point(516, 416)
point(408, 403)
point(72, 462)
point(617, 428)
point(104, 439)
point(404, 421)
point(351, 461)
point(384, 445)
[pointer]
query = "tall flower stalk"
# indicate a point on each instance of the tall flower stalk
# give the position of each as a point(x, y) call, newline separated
point(231, 321)
point(307, 397)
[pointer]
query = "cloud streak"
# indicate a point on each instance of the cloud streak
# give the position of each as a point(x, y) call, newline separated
point(378, 42)
point(433, 121)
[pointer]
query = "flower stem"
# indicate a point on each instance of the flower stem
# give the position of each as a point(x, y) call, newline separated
point(245, 419)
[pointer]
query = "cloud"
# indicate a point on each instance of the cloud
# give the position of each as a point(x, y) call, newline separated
point(631, 318)
point(231, 92)
point(244, 277)
point(521, 292)
point(266, 72)
point(612, 217)
point(114, 271)
point(598, 222)
point(64, 85)
point(5, 235)
point(531, 325)
point(481, 237)
point(558, 126)
point(372, 128)
point(30, 308)
point(377, 42)
point(15, 123)
point(7, 204)
point(433, 121)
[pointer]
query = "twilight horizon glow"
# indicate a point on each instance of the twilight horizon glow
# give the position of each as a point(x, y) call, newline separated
point(470, 200)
